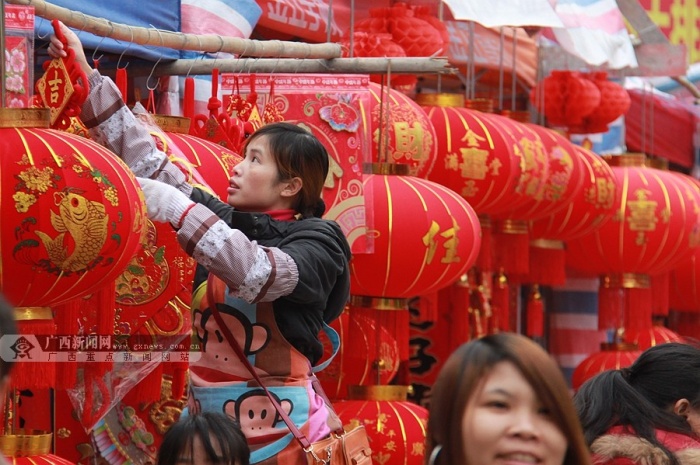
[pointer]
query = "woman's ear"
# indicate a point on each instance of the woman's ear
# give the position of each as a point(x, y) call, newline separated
point(682, 407)
point(293, 187)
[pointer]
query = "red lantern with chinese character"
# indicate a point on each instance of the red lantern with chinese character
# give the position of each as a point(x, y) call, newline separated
point(565, 98)
point(684, 292)
point(425, 237)
point(73, 213)
point(401, 131)
point(654, 227)
point(396, 428)
point(610, 357)
point(475, 157)
point(368, 354)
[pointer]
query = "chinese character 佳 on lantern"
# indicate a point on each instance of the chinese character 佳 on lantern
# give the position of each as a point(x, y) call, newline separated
point(425, 237)
point(654, 227)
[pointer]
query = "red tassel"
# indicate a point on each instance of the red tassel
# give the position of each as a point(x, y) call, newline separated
point(428, 306)
point(149, 388)
point(122, 82)
point(500, 304)
point(484, 260)
point(638, 309)
point(188, 98)
point(659, 294)
point(67, 317)
point(214, 102)
point(535, 313)
point(511, 246)
point(180, 371)
point(32, 374)
point(547, 263)
point(99, 314)
point(611, 304)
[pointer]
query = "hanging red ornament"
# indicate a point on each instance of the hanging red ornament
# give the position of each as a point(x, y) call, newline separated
point(614, 102)
point(565, 98)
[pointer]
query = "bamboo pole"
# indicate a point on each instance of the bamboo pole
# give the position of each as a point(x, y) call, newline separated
point(334, 66)
point(178, 40)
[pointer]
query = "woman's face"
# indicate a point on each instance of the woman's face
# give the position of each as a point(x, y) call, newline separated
point(254, 186)
point(506, 424)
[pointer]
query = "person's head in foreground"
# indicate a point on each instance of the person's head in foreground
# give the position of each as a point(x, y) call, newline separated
point(503, 399)
point(206, 438)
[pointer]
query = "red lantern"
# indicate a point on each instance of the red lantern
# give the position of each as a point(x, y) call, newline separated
point(684, 294)
point(381, 45)
point(650, 337)
point(418, 38)
point(401, 131)
point(588, 209)
point(395, 427)
point(610, 357)
point(368, 354)
point(475, 157)
point(565, 98)
point(655, 226)
point(425, 236)
point(73, 214)
point(614, 102)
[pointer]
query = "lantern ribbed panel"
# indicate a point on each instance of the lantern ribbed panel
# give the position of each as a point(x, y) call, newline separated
point(425, 237)
point(475, 158)
point(565, 98)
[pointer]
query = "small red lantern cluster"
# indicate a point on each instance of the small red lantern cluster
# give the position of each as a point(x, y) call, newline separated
point(583, 103)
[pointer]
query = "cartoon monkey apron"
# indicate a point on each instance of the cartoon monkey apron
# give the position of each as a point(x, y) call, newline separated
point(220, 382)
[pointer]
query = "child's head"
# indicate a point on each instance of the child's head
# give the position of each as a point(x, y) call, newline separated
point(207, 438)
point(301, 164)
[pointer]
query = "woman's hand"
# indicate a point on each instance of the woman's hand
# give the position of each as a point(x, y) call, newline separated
point(57, 49)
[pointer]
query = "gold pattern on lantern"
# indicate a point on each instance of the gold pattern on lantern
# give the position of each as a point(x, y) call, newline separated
point(408, 140)
point(449, 244)
point(474, 164)
point(602, 194)
point(642, 217)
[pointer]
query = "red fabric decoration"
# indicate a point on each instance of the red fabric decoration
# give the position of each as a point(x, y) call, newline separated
point(534, 313)
point(401, 131)
point(28, 374)
point(611, 357)
point(565, 98)
point(76, 216)
point(380, 45)
point(439, 228)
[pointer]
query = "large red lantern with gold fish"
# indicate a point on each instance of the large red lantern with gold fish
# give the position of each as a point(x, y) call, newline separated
point(401, 131)
point(395, 427)
point(72, 213)
point(425, 236)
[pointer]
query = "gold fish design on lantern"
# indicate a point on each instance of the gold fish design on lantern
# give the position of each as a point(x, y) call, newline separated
point(85, 221)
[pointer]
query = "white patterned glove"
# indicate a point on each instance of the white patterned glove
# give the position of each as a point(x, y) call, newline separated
point(165, 203)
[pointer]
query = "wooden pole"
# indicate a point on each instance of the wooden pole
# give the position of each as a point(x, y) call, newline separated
point(178, 40)
point(334, 66)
